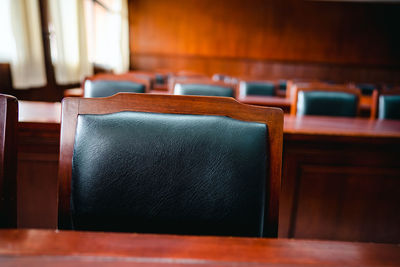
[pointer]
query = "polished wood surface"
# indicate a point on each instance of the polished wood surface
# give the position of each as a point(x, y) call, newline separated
point(38, 152)
point(8, 160)
point(268, 101)
point(72, 248)
point(340, 179)
point(195, 105)
point(348, 165)
point(281, 39)
point(340, 127)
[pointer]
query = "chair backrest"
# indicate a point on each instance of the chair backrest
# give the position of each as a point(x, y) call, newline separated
point(257, 87)
point(203, 87)
point(366, 88)
point(105, 84)
point(386, 105)
point(170, 164)
point(8, 161)
point(325, 101)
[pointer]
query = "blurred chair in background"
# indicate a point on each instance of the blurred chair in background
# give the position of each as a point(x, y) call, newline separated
point(103, 85)
point(257, 87)
point(386, 105)
point(326, 101)
point(203, 87)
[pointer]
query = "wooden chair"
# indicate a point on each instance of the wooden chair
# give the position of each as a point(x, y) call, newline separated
point(8, 161)
point(326, 101)
point(386, 105)
point(170, 164)
point(158, 80)
point(203, 87)
point(106, 84)
point(257, 87)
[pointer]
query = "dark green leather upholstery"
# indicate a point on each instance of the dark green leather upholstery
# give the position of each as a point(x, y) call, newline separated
point(326, 103)
point(282, 85)
point(389, 107)
point(160, 79)
point(257, 88)
point(169, 173)
point(366, 89)
point(202, 89)
point(102, 88)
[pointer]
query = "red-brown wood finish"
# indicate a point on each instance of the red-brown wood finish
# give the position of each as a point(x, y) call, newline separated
point(197, 105)
point(73, 248)
point(267, 101)
point(340, 179)
point(8, 160)
point(38, 152)
point(326, 40)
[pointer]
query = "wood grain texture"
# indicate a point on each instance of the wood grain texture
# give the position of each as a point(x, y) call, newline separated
point(196, 105)
point(8, 160)
point(80, 248)
point(341, 179)
point(279, 39)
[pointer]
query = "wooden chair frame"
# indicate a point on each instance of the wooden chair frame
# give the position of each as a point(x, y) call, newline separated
point(8, 160)
point(197, 105)
point(118, 77)
point(205, 81)
point(343, 89)
point(375, 100)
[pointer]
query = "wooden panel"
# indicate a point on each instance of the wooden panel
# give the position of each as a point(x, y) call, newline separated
point(278, 38)
point(341, 190)
point(74, 248)
point(38, 152)
point(266, 68)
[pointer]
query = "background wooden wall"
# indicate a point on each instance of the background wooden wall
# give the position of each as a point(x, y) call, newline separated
point(277, 39)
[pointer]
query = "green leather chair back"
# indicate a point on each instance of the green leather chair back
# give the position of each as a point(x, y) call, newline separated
point(202, 90)
point(389, 107)
point(327, 103)
point(103, 88)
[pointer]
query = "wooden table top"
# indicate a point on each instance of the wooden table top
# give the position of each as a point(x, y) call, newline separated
point(272, 101)
point(73, 248)
point(50, 113)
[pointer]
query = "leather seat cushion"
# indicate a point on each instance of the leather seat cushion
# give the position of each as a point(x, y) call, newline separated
point(202, 89)
point(169, 173)
point(326, 103)
point(103, 88)
point(258, 88)
point(389, 107)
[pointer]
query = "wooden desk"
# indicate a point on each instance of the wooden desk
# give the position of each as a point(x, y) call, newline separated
point(340, 180)
point(270, 101)
point(69, 248)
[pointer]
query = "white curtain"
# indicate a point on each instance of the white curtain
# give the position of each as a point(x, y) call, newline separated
point(68, 41)
point(21, 43)
point(108, 33)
